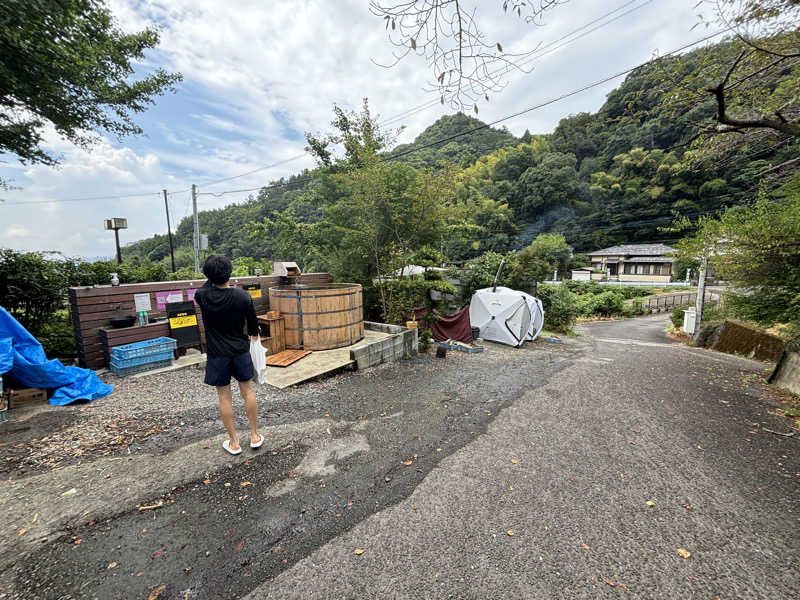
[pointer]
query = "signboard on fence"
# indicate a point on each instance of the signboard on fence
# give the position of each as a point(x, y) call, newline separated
point(142, 302)
point(254, 289)
point(162, 298)
point(183, 325)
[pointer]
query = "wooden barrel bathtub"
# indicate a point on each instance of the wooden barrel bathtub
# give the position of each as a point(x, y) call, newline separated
point(320, 317)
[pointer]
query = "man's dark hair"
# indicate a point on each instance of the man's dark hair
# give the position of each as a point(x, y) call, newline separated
point(217, 268)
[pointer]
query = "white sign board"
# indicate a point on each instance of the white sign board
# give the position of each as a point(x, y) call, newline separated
point(142, 302)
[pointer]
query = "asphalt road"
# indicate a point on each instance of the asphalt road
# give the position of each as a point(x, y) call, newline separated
point(573, 470)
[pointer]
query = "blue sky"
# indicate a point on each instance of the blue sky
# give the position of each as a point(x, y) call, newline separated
point(257, 75)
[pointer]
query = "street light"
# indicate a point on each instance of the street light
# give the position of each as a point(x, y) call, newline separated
point(116, 223)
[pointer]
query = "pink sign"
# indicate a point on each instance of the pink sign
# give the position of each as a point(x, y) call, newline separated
point(163, 297)
point(190, 294)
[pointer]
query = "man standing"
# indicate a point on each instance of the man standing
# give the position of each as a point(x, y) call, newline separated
point(225, 312)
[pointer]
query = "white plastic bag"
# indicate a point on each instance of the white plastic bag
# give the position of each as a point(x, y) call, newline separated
point(258, 355)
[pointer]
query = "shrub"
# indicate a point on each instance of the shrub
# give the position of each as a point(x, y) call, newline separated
point(592, 287)
point(559, 307)
point(425, 339)
point(676, 316)
point(479, 273)
point(609, 303)
point(406, 293)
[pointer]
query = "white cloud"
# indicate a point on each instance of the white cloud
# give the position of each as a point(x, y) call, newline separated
point(16, 231)
point(258, 73)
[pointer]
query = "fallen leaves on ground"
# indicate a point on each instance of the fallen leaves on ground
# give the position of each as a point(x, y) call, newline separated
point(93, 437)
point(586, 547)
point(156, 592)
point(358, 551)
point(650, 503)
point(245, 484)
point(683, 553)
point(514, 461)
point(159, 553)
point(510, 533)
point(408, 462)
point(35, 518)
point(22, 531)
point(609, 582)
point(112, 565)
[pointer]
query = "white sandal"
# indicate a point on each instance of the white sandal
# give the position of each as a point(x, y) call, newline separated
point(227, 446)
point(258, 443)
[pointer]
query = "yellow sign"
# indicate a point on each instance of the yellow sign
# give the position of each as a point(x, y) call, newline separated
point(256, 293)
point(183, 321)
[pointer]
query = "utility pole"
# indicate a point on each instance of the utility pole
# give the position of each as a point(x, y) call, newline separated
point(116, 224)
point(119, 251)
point(196, 233)
point(169, 233)
point(701, 290)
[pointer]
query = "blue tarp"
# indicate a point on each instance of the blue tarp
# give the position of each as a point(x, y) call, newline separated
point(22, 357)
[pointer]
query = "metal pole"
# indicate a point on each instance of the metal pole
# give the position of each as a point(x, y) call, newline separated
point(119, 252)
point(196, 235)
point(701, 290)
point(169, 232)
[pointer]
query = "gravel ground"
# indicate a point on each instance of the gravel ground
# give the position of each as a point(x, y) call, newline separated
point(160, 412)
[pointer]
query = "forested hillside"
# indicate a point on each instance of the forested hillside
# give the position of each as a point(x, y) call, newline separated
point(619, 175)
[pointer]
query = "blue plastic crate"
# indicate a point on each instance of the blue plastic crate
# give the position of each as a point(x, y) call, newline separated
point(123, 371)
point(124, 363)
point(143, 348)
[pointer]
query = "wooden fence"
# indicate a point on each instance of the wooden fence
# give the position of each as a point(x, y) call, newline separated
point(92, 308)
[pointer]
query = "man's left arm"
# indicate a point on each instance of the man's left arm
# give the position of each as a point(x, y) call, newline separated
point(252, 322)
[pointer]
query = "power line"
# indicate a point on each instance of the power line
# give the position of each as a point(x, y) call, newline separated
point(535, 54)
point(495, 122)
point(114, 197)
point(451, 137)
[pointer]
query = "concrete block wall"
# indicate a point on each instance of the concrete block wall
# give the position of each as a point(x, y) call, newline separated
point(402, 343)
point(787, 373)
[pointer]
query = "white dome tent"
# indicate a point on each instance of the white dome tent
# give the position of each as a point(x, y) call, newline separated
point(506, 316)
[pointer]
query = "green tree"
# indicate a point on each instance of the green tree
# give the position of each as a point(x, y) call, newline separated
point(536, 262)
point(65, 63)
point(757, 249)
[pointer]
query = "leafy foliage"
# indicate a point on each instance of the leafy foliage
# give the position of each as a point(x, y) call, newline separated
point(65, 63)
point(756, 248)
point(480, 272)
point(547, 253)
point(560, 309)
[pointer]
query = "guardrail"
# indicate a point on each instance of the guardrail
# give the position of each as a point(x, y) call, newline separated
point(660, 303)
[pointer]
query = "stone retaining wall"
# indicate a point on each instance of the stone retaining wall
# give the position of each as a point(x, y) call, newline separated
point(402, 343)
point(787, 373)
point(735, 337)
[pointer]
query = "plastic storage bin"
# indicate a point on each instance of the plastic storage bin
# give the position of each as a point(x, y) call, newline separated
point(123, 371)
point(143, 348)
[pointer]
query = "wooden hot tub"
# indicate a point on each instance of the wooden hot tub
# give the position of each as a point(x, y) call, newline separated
point(320, 317)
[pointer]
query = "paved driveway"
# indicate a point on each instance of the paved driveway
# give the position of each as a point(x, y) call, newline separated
point(575, 470)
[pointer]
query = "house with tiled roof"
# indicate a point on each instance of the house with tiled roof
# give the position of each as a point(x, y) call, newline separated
point(634, 262)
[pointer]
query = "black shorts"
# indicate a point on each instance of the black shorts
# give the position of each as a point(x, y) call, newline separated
point(220, 368)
